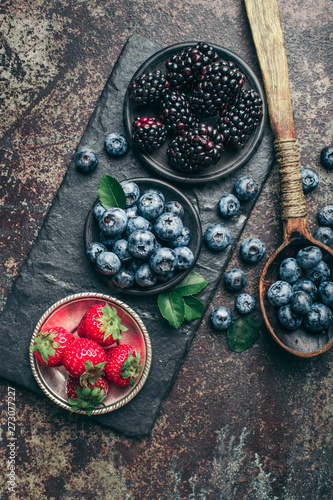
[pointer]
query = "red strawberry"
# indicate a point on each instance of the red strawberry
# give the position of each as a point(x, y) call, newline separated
point(123, 364)
point(86, 397)
point(84, 358)
point(102, 324)
point(49, 345)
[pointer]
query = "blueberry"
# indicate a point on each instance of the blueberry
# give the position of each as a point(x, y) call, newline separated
point(325, 291)
point(309, 257)
point(310, 180)
point(163, 260)
point(289, 319)
point(132, 212)
point(325, 216)
point(116, 144)
point(252, 250)
point(183, 240)
point(86, 160)
point(326, 157)
point(120, 248)
point(134, 265)
point(165, 277)
point(155, 191)
point(245, 303)
point(221, 318)
point(318, 319)
point(279, 293)
point(108, 241)
point(168, 226)
point(217, 237)
point(98, 211)
point(150, 205)
point(184, 258)
point(93, 251)
point(124, 278)
point(141, 244)
point(289, 270)
point(132, 192)
point(175, 207)
point(324, 235)
point(138, 224)
point(319, 273)
point(306, 286)
point(245, 188)
point(108, 263)
point(301, 302)
point(145, 276)
point(228, 205)
point(235, 280)
point(113, 221)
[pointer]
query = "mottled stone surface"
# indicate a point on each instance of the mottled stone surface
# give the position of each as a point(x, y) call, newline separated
point(255, 425)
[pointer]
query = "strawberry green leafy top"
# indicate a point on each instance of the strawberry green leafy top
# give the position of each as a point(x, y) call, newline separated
point(111, 323)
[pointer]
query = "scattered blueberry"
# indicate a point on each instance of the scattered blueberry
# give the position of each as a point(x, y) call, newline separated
point(325, 216)
point(132, 212)
point(144, 276)
point(124, 278)
point(324, 235)
point(318, 319)
point(217, 237)
point(116, 144)
point(252, 250)
point(307, 286)
point(289, 270)
point(326, 157)
point(132, 192)
point(175, 207)
point(228, 205)
point(245, 188)
point(120, 248)
point(108, 263)
point(221, 318)
point(141, 244)
point(325, 291)
point(183, 239)
point(288, 318)
point(309, 257)
point(113, 221)
point(86, 160)
point(93, 251)
point(301, 302)
point(319, 273)
point(150, 205)
point(279, 293)
point(235, 280)
point(245, 303)
point(184, 258)
point(163, 260)
point(138, 224)
point(310, 180)
point(168, 226)
point(98, 211)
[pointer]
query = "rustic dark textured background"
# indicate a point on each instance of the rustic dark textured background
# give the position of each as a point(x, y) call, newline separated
point(255, 425)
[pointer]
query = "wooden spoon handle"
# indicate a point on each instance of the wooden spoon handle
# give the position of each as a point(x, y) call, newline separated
point(268, 39)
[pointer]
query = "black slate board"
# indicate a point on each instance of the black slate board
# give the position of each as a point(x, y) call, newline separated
point(57, 265)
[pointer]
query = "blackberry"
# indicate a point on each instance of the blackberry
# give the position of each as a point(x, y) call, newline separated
point(148, 88)
point(175, 113)
point(240, 119)
point(196, 149)
point(148, 134)
point(185, 66)
point(219, 84)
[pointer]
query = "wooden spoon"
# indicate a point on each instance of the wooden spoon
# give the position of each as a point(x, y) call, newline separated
point(268, 38)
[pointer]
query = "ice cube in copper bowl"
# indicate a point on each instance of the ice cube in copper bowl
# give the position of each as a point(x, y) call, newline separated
point(190, 220)
point(68, 313)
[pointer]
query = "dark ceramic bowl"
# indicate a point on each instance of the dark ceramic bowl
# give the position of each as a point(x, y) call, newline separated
point(68, 313)
point(190, 220)
point(230, 160)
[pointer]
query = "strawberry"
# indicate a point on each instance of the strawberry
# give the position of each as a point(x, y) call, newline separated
point(86, 397)
point(102, 324)
point(49, 345)
point(123, 364)
point(84, 358)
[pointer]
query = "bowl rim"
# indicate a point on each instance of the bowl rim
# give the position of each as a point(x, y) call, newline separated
point(35, 367)
point(195, 179)
point(163, 287)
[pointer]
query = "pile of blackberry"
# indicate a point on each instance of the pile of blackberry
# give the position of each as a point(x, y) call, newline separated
point(201, 104)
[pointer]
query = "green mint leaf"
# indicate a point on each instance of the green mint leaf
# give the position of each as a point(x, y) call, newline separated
point(193, 308)
point(110, 192)
point(191, 284)
point(172, 308)
point(242, 333)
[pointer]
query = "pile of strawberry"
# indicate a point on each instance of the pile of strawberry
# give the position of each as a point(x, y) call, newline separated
point(93, 359)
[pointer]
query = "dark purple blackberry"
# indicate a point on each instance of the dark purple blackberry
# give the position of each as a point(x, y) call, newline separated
point(240, 119)
point(148, 88)
point(196, 149)
point(219, 84)
point(176, 114)
point(148, 134)
point(185, 66)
